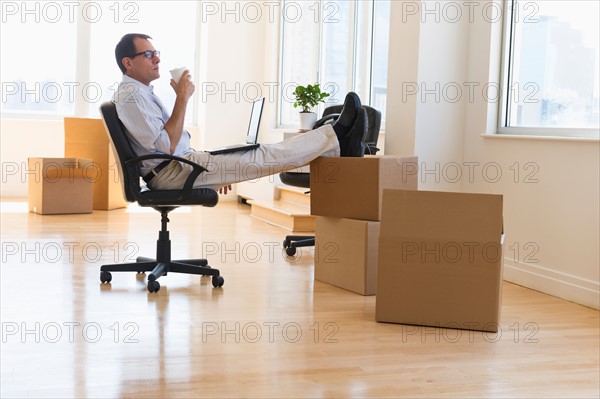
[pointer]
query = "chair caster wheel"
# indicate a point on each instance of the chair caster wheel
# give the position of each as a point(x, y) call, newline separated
point(290, 251)
point(153, 286)
point(105, 277)
point(286, 243)
point(218, 281)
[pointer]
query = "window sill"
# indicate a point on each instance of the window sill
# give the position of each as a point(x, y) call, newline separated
point(505, 136)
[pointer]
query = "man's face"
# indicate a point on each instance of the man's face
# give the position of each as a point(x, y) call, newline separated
point(140, 68)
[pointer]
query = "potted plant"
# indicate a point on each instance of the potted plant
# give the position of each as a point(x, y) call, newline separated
point(308, 97)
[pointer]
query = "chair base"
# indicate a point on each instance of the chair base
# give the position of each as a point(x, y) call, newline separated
point(158, 269)
point(163, 264)
point(292, 242)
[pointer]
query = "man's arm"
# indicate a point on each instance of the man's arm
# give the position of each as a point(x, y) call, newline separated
point(174, 126)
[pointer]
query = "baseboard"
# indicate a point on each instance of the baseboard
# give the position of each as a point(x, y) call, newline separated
point(563, 285)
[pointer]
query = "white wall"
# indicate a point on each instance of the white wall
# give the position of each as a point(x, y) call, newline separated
point(403, 69)
point(232, 62)
point(423, 59)
point(440, 122)
point(22, 139)
point(550, 187)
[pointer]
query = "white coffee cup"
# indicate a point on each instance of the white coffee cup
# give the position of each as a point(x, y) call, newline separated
point(176, 73)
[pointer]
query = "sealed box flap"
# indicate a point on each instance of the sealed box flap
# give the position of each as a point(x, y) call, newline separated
point(442, 216)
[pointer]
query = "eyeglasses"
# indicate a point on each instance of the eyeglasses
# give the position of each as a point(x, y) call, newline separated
point(148, 54)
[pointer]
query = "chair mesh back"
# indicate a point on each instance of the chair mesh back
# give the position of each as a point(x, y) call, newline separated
point(122, 147)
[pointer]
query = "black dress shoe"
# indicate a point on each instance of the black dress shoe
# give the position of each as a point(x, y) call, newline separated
point(344, 123)
point(354, 144)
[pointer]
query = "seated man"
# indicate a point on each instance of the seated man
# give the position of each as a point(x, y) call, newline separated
point(153, 130)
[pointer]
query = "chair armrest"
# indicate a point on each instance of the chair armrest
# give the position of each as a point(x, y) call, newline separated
point(189, 182)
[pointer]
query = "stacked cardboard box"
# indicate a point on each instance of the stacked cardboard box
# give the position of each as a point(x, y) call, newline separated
point(60, 185)
point(346, 195)
point(432, 258)
point(87, 138)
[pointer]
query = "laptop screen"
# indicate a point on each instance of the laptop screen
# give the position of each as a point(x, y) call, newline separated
point(257, 107)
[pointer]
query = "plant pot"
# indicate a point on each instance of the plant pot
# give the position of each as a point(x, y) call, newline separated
point(307, 120)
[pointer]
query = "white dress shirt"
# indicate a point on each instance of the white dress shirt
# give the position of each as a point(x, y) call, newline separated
point(144, 117)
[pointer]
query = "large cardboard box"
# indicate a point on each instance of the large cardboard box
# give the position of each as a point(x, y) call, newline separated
point(353, 187)
point(59, 185)
point(346, 253)
point(87, 138)
point(440, 259)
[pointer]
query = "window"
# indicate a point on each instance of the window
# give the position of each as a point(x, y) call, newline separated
point(300, 56)
point(38, 61)
point(58, 57)
point(342, 45)
point(551, 69)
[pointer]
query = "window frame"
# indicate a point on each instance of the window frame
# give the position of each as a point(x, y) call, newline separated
point(366, 35)
point(507, 59)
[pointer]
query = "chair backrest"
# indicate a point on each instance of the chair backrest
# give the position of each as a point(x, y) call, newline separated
point(374, 118)
point(333, 109)
point(130, 174)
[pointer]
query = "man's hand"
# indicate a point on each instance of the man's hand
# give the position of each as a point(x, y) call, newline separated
point(224, 190)
point(174, 126)
point(185, 87)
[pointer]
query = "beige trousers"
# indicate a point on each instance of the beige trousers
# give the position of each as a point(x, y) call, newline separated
point(266, 160)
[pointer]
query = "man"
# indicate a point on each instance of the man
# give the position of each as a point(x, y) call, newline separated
point(153, 130)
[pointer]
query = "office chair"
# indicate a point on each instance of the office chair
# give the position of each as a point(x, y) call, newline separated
point(302, 179)
point(330, 115)
point(163, 201)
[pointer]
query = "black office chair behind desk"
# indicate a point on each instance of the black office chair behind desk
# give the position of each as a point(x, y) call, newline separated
point(302, 179)
point(164, 201)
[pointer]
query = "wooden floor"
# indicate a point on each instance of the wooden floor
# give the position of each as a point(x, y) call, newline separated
point(270, 331)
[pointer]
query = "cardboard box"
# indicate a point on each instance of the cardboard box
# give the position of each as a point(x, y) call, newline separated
point(440, 259)
point(59, 185)
point(353, 187)
point(87, 138)
point(346, 253)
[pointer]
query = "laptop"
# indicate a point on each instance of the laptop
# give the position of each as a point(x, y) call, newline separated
point(251, 135)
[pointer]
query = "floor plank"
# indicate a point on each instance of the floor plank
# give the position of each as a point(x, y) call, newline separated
point(270, 331)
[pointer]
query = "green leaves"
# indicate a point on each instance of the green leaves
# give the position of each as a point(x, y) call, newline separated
point(309, 96)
